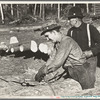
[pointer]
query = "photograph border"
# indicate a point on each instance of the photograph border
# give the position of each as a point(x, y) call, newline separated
point(45, 2)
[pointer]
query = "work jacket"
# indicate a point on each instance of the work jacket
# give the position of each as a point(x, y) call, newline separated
point(67, 52)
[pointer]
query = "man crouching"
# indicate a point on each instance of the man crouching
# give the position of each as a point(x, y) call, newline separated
point(66, 54)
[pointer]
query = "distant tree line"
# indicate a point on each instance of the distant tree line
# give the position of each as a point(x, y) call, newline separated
point(22, 13)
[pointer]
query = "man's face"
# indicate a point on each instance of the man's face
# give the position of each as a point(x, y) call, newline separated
point(52, 35)
point(73, 21)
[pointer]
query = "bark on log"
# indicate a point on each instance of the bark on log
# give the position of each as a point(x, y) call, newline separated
point(20, 28)
point(15, 21)
point(20, 48)
point(28, 27)
point(32, 45)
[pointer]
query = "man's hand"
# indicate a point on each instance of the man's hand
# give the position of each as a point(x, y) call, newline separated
point(52, 69)
point(88, 54)
point(41, 73)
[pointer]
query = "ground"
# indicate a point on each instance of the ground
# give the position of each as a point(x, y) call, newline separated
point(20, 67)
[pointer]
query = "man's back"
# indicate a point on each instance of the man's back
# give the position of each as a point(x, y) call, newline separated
point(76, 56)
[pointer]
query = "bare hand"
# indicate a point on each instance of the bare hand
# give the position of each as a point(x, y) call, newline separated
point(88, 54)
point(52, 69)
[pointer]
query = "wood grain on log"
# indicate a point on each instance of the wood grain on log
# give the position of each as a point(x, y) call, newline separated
point(46, 47)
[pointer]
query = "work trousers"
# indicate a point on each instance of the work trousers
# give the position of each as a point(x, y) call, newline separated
point(84, 74)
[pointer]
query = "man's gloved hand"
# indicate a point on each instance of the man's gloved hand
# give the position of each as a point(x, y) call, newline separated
point(88, 54)
point(41, 73)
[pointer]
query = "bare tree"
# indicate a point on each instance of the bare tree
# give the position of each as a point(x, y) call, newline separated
point(12, 13)
point(35, 9)
point(40, 9)
point(58, 11)
point(43, 12)
point(2, 15)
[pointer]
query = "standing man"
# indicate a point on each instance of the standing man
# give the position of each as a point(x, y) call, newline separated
point(66, 54)
point(87, 36)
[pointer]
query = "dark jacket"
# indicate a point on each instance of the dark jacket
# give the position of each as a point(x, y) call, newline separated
point(81, 37)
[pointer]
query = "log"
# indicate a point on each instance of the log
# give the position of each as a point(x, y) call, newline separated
point(46, 47)
point(15, 21)
point(15, 49)
point(13, 40)
point(24, 47)
point(33, 47)
point(20, 28)
point(34, 18)
point(28, 27)
point(18, 48)
point(43, 48)
point(15, 45)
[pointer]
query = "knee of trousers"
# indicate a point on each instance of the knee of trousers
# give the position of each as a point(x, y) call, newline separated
point(86, 86)
point(88, 81)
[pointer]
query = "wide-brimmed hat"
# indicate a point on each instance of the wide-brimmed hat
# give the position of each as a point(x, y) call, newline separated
point(50, 28)
point(75, 12)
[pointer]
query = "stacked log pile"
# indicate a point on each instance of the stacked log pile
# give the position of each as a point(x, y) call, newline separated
point(33, 45)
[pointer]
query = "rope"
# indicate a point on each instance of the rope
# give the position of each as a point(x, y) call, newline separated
point(50, 86)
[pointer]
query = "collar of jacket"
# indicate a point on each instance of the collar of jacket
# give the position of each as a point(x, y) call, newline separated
point(80, 27)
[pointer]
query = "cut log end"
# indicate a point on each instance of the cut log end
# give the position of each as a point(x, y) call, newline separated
point(12, 50)
point(21, 48)
point(33, 46)
point(13, 40)
point(43, 48)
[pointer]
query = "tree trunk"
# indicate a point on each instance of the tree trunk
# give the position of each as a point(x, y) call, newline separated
point(2, 15)
point(87, 7)
point(74, 4)
point(58, 11)
point(35, 9)
point(17, 12)
point(43, 12)
point(12, 13)
point(40, 9)
point(51, 5)
point(94, 9)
